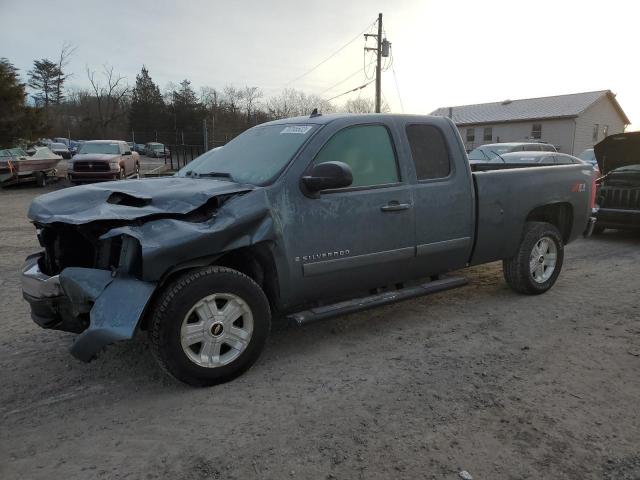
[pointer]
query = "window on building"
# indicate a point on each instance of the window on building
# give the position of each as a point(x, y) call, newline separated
point(594, 135)
point(471, 135)
point(536, 131)
point(488, 134)
point(368, 150)
point(429, 151)
point(605, 131)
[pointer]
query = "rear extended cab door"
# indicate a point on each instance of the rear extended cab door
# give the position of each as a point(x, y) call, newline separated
point(443, 193)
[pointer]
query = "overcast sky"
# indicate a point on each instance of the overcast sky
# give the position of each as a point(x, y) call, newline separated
point(445, 53)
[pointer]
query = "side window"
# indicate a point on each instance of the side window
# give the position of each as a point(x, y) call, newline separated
point(368, 150)
point(125, 148)
point(429, 151)
point(561, 159)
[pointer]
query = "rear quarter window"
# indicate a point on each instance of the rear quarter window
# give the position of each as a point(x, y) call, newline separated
point(429, 151)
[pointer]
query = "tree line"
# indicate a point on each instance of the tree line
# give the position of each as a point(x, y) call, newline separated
point(110, 108)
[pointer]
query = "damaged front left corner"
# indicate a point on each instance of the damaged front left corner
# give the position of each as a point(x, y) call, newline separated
point(104, 307)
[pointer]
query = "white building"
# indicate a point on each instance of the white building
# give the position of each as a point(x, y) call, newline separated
point(571, 122)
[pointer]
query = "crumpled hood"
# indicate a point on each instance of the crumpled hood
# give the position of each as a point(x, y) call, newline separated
point(97, 157)
point(129, 199)
point(617, 151)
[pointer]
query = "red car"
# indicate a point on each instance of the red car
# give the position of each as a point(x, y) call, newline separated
point(100, 160)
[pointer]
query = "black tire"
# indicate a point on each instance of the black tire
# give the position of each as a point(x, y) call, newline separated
point(41, 179)
point(121, 174)
point(598, 230)
point(137, 173)
point(517, 270)
point(178, 299)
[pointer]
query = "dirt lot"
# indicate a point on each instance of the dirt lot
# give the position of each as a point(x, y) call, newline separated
point(480, 379)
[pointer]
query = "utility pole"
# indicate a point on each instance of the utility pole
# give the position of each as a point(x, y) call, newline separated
point(382, 50)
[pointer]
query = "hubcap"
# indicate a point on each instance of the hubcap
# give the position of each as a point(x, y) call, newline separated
point(542, 261)
point(216, 330)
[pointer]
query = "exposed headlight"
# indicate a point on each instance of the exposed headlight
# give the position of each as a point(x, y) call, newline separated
point(114, 165)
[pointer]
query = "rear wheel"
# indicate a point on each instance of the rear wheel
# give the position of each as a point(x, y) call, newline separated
point(598, 230)
point(121, 174)
point(537, 263)
point(209, 326)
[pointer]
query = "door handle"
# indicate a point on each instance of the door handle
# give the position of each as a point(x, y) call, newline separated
point(395, 206)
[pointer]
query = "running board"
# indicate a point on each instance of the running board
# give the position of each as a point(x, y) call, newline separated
point(364, 303)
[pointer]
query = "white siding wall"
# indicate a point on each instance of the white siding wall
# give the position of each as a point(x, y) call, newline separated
point(601, 113)
point(556, 132)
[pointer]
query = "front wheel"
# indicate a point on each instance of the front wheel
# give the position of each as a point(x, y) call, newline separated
point(41, 179)
point(209, 326)
point(537, 263)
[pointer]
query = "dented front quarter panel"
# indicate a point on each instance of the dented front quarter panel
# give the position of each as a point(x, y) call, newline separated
point(168, 242)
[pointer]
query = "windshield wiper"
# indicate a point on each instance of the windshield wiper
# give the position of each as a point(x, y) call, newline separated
point(214, 174)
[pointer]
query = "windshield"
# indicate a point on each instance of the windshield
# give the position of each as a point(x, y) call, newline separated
point(58, 145)
point(487, 153)
point(588, 155)
point(108, 148)
point(157, 146)
point(255, 156)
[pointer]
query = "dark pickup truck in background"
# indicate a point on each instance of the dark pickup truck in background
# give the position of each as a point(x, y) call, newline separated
point(618, 157)
point(307, 218)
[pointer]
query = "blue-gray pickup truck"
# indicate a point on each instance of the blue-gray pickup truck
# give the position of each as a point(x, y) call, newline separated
point(303, 218)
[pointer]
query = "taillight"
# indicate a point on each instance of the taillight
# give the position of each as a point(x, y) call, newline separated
point(593, 190)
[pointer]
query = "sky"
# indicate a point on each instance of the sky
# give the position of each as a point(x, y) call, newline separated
point(444, 52)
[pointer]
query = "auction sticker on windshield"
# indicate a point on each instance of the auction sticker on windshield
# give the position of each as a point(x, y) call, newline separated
point(299, 129)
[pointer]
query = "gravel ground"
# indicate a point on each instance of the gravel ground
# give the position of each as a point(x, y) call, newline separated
point(480, 379)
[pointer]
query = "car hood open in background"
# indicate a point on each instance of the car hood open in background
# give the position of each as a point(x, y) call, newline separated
point(129, 200)
point(617, 151)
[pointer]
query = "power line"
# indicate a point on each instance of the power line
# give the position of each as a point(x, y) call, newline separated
point(352, 90)
point(347, 78)
point(332, 55)
point(395, 79)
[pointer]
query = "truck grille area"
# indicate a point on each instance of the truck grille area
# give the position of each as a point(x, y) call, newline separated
point(87, 166)
point(619, 197)
point(76, 246)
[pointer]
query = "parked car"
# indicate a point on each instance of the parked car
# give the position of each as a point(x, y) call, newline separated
point(74, 146)
point(66, 141)
point(103, 160)
point(139, 147)
point(60, 149)
point(306, 218)
point(541, 158)
point(156, 150)
point(618, 200)
point(490, 151)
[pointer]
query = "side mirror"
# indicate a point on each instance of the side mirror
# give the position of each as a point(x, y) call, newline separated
point(328, 175)
point(127, 152)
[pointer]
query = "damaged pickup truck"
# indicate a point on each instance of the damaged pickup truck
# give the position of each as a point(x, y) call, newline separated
point(304, 218)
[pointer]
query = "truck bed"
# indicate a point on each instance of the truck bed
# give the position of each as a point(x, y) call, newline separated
point(508, 195)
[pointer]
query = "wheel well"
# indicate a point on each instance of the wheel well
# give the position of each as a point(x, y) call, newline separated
point(558, 214)
point(256, 262)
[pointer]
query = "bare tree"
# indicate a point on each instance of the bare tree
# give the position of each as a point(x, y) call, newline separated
point(233, 98)
point(364, 105)
point(63, 59)
point(110, 97)
point(250, 98)
point(291, 103)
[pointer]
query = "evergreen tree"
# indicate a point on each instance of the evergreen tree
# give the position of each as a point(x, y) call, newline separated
point(147, 112)
point(17, 121)
point(42, 78)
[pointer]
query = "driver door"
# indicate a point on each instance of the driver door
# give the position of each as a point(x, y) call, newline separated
point(359, 237)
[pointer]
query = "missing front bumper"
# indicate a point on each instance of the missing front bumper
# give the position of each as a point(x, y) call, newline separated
point(102, 307)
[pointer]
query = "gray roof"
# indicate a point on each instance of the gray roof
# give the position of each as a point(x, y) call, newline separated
point(559, 106)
